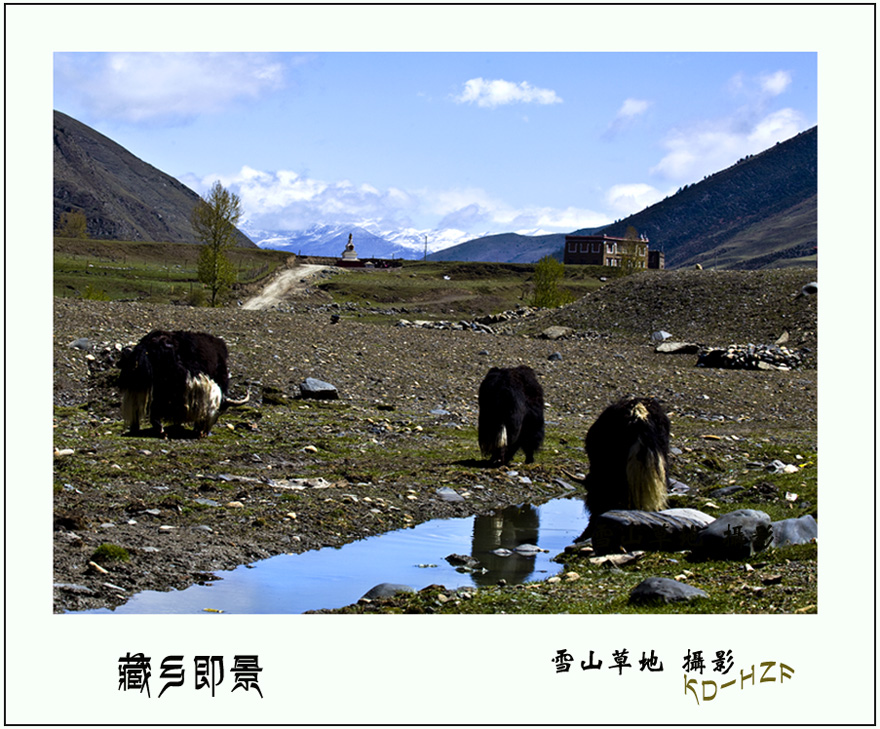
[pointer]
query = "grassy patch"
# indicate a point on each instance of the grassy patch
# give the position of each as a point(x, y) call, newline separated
point(110, 553)
point(155, 272)
point(450, 289)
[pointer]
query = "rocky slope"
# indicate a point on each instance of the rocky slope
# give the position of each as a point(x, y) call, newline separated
point(122, 197)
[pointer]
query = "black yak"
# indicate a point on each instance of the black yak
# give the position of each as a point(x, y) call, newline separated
point(177, 377)
point(628, 449)
point(511, 414)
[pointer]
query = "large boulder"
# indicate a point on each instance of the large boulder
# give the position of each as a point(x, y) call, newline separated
point(670, 530)
point(736, 535)
point(795, 531)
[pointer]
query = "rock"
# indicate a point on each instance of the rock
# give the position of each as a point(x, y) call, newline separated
point(555, 357)
point(725, 491)
point(76, 589)
point(318, 390)
point(440, 411)
point(463, 561)
point(385, 589)
point(736, 535)
point(82, 343)
point(663, 589)
point(448, 494)
point(670, 530)
point(751, 357)
point(794, 531)
point(528, 550)
point(617, 560)
point(556, 332)
point(677, 348)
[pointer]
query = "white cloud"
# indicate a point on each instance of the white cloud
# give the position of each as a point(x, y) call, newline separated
point(285, 200)
point(703, 149)
point(775, 83)
point(137, 87)
point(492, 93)
point(627, 199)
point(630, 110)
point(632, 107)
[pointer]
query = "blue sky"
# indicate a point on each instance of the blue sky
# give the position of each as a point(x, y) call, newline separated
point(480, 142)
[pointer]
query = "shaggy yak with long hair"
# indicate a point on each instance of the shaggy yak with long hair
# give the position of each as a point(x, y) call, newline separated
point(628, 449)
point(176, 377)
point(511, 414)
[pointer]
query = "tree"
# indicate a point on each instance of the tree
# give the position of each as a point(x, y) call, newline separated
point(72, 225)
point(548, 274)
point(630, 259)
point(213, 221)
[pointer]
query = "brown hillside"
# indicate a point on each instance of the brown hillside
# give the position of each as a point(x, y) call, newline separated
point(122, 197)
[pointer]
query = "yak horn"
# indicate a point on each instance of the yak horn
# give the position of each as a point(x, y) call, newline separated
point(245, 399)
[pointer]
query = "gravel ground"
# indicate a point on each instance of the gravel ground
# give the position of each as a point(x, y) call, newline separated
point(403, 426)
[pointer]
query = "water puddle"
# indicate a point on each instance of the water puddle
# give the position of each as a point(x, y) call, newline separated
point(336, 577)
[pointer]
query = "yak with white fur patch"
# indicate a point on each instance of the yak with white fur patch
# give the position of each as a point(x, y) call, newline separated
point(628, 449)
point(175, 377)
point(511, 414)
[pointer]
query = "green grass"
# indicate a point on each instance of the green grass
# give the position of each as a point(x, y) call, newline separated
point(437, 290)
point(156, 272)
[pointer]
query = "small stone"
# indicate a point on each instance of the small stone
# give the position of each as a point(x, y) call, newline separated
point(556, 332)
point(318, 390)
point(663, 589)
point(385, 589)
point(528, 549)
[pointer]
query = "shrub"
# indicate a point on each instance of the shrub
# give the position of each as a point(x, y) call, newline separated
point(110, 553)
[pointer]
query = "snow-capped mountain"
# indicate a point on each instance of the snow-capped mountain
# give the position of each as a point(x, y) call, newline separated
point(369, 241)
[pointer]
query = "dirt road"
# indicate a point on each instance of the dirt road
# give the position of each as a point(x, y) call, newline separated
point(285, 284)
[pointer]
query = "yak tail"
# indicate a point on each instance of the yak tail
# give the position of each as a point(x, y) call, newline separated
point(646, 476)
point(494, 448)
point(501, 438)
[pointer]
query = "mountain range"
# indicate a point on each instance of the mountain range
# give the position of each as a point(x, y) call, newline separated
point(758, 213)
point(761, 212)
point(369, 239)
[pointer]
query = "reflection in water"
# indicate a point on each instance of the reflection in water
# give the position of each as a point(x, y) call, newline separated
point(335, 577)
point(514, 526)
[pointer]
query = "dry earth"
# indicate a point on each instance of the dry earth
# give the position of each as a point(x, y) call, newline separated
point(374, 459)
